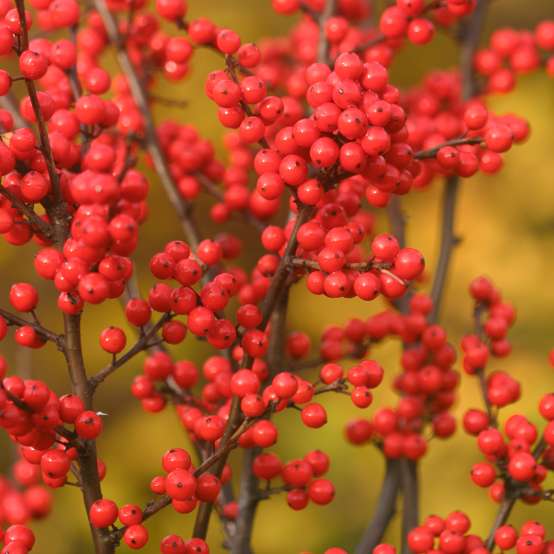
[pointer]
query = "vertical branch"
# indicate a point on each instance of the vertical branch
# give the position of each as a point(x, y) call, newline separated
point(33, 96)
point(470, 33)
point(278, 283)
point(410, 493)
point(504, 511)
point(397, 220)
point(397, 224)
point(386, 505)
point(323, 47)
point(181, 207)
point(447, 243)
point(249, 492)
point(88, 468)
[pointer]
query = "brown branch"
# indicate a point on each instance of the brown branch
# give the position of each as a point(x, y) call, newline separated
point(249, 493)
point(88, 466)
point(374, 41)
point(33, 96)
point(142, 344)
point(211, 188)
point(504, 511)
point(181, 207)
point(155, 506)
point(480, 373)
point(432, 152)
point(204, 512)
point(279, 279)
point(355, 266)
point(13, 319)
point(513, 491)
point(323, 46)
point(470, 33)
point(447, 243)
point(409, 483)
point(35, 221)
point(386, 507)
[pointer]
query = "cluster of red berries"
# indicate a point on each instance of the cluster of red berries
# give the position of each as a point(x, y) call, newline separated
point(427, 384)
point(35, 419)
point(411, 19)
point(302, 478)
point(490, 338)
point(451, 535)
point(339, 269)
point(456, 137)
point(513, 52)
point(315, 118)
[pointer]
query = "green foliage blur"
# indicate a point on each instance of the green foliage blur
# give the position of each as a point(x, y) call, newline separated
point(507, 226)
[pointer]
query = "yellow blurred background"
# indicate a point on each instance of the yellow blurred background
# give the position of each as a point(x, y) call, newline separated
point(507, 226)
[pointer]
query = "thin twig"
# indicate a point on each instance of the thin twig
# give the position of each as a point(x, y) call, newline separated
point(385, 509)
point(181, 207)
point(432, 152)
point(35, 221)
point(45, 333)
point(410, 500)
point(140, 346)
point(470, 34)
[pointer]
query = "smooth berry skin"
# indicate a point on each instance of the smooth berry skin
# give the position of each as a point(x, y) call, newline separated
point(208, 487)
point(321, 491)
point(55, 463)
point(522, 466)
point(130, 514)
point(32, 65)
point(264, 434)
point(285, 384)
point(314, 415)
point(385, 247)
point(88, 425)
point(176, 458)
point(171, 9)
point(113, 340)
point(505, 537)
point(420, 539)
point(135, 536)
point(172, 544)
point(408, 263)
point(103, 513)
point(483, 474)
point(244, 382)
point(23, 297)
point(180, 484)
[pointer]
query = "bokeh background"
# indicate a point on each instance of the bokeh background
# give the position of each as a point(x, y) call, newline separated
point(507, 226)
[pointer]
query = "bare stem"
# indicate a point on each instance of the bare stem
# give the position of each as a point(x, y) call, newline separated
point(410, 494)
point(447, 243)
point(323, 47)
point(88, 467)
point(37, 223)
point(13, 319)
point(143, 343)
point(181, 207)
point(386, 506)
point(432, 152)
point(504, 511)
point(249, 494)
point(470, 33)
